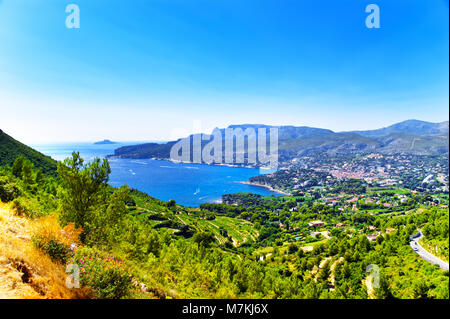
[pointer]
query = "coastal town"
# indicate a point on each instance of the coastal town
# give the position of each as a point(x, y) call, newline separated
point(417, 173)
point(328, 195)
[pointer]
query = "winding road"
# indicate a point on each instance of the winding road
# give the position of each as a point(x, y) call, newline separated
point(423, 253)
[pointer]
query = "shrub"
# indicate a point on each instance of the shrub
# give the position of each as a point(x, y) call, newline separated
point(25, 207)
point(102, 272)
point(8, 191)
point(55, 249)
point(171, 203)
point(54, 240)
point(292, 248)
point(203, 238)
point(20, 207)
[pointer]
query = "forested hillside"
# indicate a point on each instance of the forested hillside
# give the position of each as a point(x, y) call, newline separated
point(10, 149)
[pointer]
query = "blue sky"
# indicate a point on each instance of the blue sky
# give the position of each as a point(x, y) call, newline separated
point(158, 69)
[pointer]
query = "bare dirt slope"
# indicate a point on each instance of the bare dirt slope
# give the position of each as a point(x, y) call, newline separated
point(25, 271)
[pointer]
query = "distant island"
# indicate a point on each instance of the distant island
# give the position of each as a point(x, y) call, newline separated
point(105, 142)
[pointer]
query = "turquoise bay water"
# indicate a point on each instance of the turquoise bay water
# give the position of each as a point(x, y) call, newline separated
point(187, 184)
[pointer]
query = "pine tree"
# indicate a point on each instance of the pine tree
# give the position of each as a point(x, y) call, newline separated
point(17, 166)
point(27, 172)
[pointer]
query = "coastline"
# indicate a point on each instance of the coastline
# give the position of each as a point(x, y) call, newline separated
point(112, 156)
point(267, 187)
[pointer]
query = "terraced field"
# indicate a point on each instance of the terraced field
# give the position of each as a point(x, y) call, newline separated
point(241, 231)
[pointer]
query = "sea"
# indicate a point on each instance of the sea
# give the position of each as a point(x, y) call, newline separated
point(186, 183)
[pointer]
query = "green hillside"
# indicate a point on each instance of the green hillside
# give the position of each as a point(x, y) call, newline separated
point(131, 245)
point(10, 149)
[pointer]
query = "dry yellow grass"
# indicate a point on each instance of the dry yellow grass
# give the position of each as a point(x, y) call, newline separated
point(48, 228)
point(25, 271)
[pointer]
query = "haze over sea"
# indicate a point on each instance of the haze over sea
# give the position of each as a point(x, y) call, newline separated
point(188, 184)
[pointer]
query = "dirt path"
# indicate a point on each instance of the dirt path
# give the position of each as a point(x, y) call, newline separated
point(332, 270)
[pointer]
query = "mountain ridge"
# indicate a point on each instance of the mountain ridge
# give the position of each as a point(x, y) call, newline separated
point(412, 126)
point(408, 137)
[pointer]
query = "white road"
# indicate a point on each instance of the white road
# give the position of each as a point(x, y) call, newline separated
point(423, 253)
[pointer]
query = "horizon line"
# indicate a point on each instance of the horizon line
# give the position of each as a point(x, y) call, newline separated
point(159, 141)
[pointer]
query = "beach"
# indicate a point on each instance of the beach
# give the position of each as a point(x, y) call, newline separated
point(267, 187)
